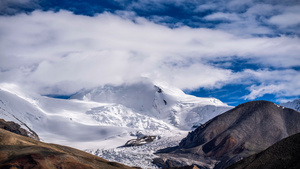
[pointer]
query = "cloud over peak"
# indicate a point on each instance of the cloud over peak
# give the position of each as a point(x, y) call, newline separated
point(62, 51)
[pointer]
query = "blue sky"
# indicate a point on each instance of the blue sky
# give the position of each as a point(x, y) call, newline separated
point(233, 50)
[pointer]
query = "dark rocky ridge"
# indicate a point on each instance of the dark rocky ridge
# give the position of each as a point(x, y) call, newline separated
point(283, 154)
point(16, 128)
point(238, 133)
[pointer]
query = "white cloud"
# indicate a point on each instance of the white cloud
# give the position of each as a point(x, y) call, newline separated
point(64, 52)
point(286, 19)
point(283, 83)
point(205, 7)
point(223, 16)
point(247, 18)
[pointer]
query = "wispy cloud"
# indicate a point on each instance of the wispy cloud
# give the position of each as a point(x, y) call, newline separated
point(282, 83)
point(219, 16)
point(290, 19)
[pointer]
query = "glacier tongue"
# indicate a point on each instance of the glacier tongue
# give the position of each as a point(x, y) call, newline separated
point(140, 156)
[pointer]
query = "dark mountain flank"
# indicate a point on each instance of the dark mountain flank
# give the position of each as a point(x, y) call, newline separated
point(238, 133)
point(283, 154)
point(17, 151)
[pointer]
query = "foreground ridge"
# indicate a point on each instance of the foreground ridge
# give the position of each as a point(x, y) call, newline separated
point(23, 152)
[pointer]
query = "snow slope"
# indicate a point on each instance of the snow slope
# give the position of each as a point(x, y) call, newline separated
point(292, 105)
point(65, 126)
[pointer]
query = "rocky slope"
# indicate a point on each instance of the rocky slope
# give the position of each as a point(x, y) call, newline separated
point(17, 151)
point(240, 132)
point(283, 154)
point(16, 128)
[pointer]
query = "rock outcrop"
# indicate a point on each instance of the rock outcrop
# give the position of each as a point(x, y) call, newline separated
point(16, 128)
point(140, 141)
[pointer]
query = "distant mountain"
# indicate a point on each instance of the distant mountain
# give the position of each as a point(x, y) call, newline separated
point(238, 133)
point(292, 105)
point(17, 151)
point(283, 154)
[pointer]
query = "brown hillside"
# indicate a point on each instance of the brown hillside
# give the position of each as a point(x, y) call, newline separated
point(238, 133)
point(17, 151)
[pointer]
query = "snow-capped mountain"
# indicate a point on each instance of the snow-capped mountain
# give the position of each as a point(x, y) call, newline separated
point(292, 105)
point(101, 119)
point(158, 101)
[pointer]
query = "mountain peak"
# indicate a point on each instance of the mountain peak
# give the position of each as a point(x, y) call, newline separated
point(157, 100)
point(292, 104)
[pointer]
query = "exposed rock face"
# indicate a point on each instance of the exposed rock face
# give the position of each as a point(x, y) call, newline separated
point(140, 141)
point(185, 167)
point(17, 151)
point(16, 128)
point(283, 154)
point(240, 132)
